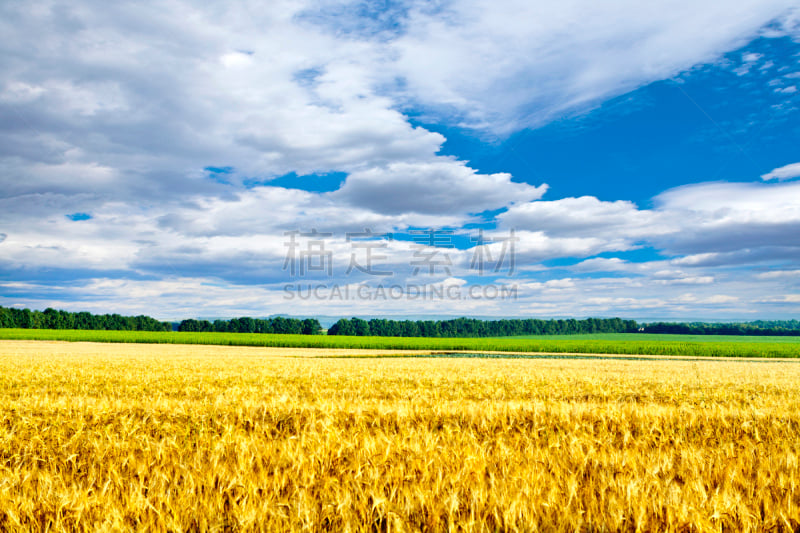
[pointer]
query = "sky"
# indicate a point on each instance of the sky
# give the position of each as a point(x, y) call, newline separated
point(497, 158)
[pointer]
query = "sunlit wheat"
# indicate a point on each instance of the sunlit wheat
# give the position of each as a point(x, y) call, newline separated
point(184, 438)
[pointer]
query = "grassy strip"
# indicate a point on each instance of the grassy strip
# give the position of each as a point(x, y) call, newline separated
point(563, 345)
point(665, 337)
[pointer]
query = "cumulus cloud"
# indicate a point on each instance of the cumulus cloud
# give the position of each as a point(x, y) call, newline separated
point(144, 101)
point(586, 216)
point(436, 187)
point(786, 172)
point(731, 217)
point(706, 224)
point(535, 246)
point(551, 286)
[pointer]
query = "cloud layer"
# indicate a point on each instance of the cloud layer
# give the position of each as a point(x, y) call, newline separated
point(118, 112)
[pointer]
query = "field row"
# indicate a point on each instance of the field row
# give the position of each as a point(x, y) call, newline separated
point(615, 344)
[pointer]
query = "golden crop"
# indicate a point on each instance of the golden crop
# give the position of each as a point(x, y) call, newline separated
point(185, 438)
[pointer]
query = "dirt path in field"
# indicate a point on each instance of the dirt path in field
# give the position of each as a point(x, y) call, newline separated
point(11, 348)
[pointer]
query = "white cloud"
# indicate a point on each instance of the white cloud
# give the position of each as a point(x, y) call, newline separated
point(436, 187)
point(715, 299)
point(697, 259)
point(552, 59)
point(535, 246)
point(721, 299)
point(751, 57)
point(707, 223)
point(236, 60)
point(784, 299)
point(582, 217)
point(686, 280)
point(783, 173)
point(730, 217)
point(604, 264)
point(779, 274)
point(17, 92)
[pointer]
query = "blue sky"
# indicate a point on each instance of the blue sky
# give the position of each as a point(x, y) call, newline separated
point(706, 124)
point(241, 159)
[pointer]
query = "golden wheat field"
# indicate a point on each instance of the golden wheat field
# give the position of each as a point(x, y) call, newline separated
point(210, 438)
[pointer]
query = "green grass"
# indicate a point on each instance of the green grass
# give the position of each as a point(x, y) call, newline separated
point(662, 337)
point(626, 345)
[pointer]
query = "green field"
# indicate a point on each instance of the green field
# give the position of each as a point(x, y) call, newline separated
point(633, 344)
point(662, 337)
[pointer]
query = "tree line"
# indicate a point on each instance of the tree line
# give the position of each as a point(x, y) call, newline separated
point(278, 324)
point(471, 327)
point(11, 317)
point(758, 327)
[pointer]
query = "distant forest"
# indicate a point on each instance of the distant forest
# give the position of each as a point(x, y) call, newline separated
point(470, 327)
point(278, 324)
point(758, 327)
point(459, 327)
point(53, 319)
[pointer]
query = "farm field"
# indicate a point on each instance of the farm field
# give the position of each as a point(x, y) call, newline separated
point(171, 437)
point(665, 337)
point(631, 344)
